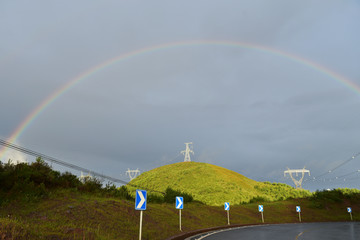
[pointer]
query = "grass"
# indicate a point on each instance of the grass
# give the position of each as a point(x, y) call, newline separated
point(39, 203)
point(67, 214)
point(214, 185)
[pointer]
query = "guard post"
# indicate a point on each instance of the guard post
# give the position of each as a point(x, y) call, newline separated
point(350, 211)
point(261, 209)
point(179, 205)
point(227, 208)
point(140, 204)
point(298, 209)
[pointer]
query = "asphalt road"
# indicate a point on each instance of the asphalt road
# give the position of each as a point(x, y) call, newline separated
point(303, 231)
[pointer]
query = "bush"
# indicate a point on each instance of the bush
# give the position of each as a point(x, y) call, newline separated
point(171, 194)
point(320, 198)
point(90, 185)
point(258, 199)
point(30, 182)
point(68, 180)
point(155, 198)
point(334, 195)
point(121, 192)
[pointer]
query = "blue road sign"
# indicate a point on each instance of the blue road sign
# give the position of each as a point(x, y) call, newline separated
point(261, 208)
point(298, 209)
point(227, 206)
point(140, 201)
point(179, 203)
point(349, 209)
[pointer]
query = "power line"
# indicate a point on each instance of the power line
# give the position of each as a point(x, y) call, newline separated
point(342, 177)
point(150, 166)
point(66, 164)
point(338, 166)
point(348, 174)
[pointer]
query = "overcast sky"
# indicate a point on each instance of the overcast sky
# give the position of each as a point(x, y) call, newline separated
point(250, 111)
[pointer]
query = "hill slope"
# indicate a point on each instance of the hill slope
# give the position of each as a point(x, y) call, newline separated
point(68, 214)
point(37, 202)
point(213, 185)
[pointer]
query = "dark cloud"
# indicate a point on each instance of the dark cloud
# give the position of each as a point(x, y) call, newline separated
point(251, 111)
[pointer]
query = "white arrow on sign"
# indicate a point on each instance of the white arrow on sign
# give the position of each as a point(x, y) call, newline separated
point(298, 209)
point(142, 199)
point(227, 206)
point(180, 202)
point(261, 208)
point(349, 210)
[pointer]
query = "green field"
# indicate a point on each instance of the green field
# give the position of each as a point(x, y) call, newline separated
point(39, 203)
point(214, 185)
point(72, 215)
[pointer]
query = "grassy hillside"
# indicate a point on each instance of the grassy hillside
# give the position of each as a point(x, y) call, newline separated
point(37, 202)
point(214, 185)
point(69, 214)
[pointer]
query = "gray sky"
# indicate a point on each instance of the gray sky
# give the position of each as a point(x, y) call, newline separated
point(250, 111)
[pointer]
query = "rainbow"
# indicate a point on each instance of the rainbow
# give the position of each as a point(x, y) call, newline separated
point(84, 75)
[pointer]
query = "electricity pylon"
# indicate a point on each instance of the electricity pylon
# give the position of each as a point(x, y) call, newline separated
point(133, 173)
point(187, 152)
point(84, 178)
point(297, 182)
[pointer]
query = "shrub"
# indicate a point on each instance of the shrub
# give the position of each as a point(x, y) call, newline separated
point(121, 192)
point(258, 199)
point(90, 185)
point(171, 194)
point(334, 195)
point(155, 198)
point(32, 181)
point(68, 180)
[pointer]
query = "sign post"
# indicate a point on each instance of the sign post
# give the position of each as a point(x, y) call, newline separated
point(261, 209)
point(298, 209)
point(227, 208)
point(179, 205)
point(140, 204)
point(349, 211)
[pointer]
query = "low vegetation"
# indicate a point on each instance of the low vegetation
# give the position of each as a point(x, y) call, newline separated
point(31, 182)
point(214, 185)
point(37, 202)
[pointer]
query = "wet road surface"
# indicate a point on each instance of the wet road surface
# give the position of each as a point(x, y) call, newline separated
point(302, 231)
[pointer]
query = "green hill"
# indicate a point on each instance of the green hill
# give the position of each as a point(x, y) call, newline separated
point(37, 202)
point(214, 185)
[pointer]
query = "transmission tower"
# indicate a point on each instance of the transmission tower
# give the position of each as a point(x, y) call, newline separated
point(297, 182)
point(83, 177)
point(187, 152)
point(133, 173)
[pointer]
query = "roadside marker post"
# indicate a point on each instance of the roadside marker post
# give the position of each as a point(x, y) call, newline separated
point(298, 209)
point(261, 209)
point(140, 204)
point(350, 211)
point(227, 208)
point(179, 205)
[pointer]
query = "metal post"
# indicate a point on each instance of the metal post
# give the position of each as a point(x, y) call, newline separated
point(262, 216)
point(351, 216)
point(228, 217)
point(180, 219)
point(299, 217)
point(141, 217)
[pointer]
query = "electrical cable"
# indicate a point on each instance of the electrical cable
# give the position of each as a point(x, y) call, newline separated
point(68, 165)
point(338, 166)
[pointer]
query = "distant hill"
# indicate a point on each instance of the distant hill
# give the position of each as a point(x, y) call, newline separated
point(214, 185)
